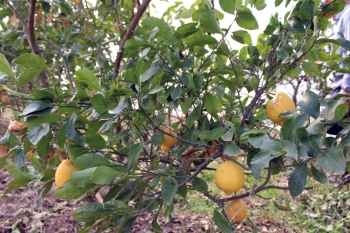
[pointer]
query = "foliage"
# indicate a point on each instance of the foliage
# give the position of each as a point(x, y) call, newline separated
point(107, 113)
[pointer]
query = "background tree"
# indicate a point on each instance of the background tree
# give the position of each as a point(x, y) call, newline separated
point(177, 74)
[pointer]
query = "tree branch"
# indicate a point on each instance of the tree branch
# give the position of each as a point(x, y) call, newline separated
point(129, 32)
point(33, 42)
point(64, 59)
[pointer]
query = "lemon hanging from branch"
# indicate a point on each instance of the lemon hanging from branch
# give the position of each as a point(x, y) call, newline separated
point(280, 103)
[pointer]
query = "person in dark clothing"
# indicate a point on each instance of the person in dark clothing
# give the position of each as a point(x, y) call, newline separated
point(341, 83)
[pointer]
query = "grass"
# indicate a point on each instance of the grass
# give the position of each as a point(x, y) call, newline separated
point(323, 209)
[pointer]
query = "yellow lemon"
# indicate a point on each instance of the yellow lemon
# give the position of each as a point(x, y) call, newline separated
point(280, 103)
point(63, 172)
point(229, 177)
point(237, 210)
point(164, 148)
point(168, 140)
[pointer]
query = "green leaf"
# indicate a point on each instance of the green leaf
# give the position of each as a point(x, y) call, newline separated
point(229, 6)
point(332, 160)
point(335, 110)
point(9, 139)
point(16, 183)
point(232, 149)
point(19, 159)
point(99, 103)
point(97, 142)
point(187, 30)
point(278, 2)
point(136, 43)
point(307, 9)
point(75, 151)
point(280, 207)
point(318, 175)
point(295, 24)
point(289, 130)
point(210, 135)
point(5, 67)
point(194, 115)
point(70, 130)
point(90, 160)
point(297, 180)
point(200, 39)
point(70, 191)
point(155, 225)
point(208, 20)
point(221, 222)
point(292, 151)
point(169, 190)
point(43, 95)
point(16, 172)
point(44, 146)
point(264, 142)
point(32, 66)
point(310, 104)
point(212, 104)
point(150, 71)
point(242, 37)
point(93, 127)
point(35, 134)
point(61, 136)
point(199, 185)
point(259, 162)
point(34, 121)
point(246, 19)
point(48, 174)
point(82, 178)
point(90, 212)
point(87, 77)
point(104, 175)
point(134, 155)
point(310, 68)
point(35, 108)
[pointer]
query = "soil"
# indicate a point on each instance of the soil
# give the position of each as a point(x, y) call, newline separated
point(19, 212)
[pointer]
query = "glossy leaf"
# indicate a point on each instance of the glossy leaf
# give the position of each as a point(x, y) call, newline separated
point(318, 175)
point(199, 185)
point(210, 135)
point(104, 175)
point(35, 108)
point(5, 67)
point(32, 66)
point(89, 212)
point(134, 155)
point(307, 9)
point(297, 180)
point(232, 149)
point(259, 162)
point(208, 20)
point(169, 190)
point(310, 104)
point(70, 129)
point(229, 6)
point(332, 160)
point(35, 134)
point(16, 183)
point(292, 151)
point(70, 191)
point(212, 104)
point(246, 19)
point(221, 222)
point(242, 37)
point(87, 77)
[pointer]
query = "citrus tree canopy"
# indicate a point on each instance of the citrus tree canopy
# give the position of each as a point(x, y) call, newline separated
point(139, 106)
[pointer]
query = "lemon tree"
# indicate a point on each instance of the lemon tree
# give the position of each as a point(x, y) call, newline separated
point(135, 101)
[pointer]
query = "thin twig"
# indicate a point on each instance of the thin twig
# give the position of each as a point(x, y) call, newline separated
point(64, 59)
point(33, 42)
point(129, 32)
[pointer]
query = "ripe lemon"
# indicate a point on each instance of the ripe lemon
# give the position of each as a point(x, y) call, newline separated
point(280, 103)
point(164, 148)
point(229, 177)
point(63, 172)
point(168, 140)
point(237, 210)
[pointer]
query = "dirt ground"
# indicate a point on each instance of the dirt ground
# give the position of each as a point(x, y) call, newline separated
point(20, 213)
